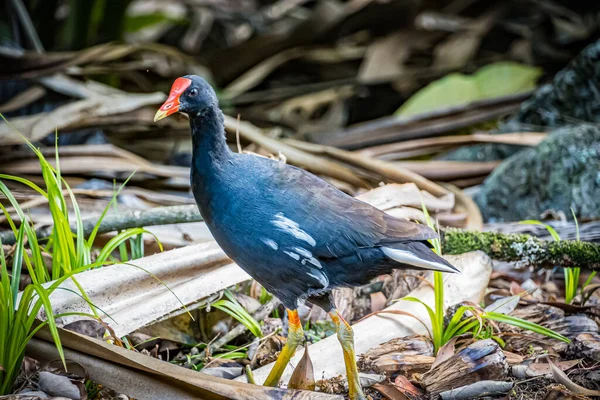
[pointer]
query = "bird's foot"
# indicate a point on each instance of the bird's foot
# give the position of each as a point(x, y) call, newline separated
point(346, 338)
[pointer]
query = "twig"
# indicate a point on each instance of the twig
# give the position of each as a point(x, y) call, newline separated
point(125, 220)
point(519, 139)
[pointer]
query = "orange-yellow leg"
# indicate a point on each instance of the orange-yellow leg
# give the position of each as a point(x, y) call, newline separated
point(346, 337)
point(294, 338)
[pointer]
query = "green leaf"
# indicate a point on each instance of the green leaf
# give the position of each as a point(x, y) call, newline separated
point(494, 80)
point(436, 328)
point(234, 309)
point(521, 323)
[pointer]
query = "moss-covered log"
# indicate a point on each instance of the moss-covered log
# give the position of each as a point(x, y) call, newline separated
point(524, 249)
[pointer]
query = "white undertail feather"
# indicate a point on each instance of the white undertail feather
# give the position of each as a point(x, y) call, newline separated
point(407, 257)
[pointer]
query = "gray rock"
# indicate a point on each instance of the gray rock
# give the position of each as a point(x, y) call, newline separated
point(58, 385)
point(562, 172)
point(573, 97)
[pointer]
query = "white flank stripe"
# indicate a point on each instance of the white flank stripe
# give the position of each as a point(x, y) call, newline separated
point(271, 243)
point(293, 255)
point(308, 257)
point(319, 276)
point(406, 257)
point(293, 228)
point(303, 252)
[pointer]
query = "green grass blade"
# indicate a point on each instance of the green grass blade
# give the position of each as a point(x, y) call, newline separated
point(436, 330)
point(120, 238)
point(25, 182)
point(518, 322)
point(232, 307)
point(17, 264)
point(112, 201)
point(550, 229)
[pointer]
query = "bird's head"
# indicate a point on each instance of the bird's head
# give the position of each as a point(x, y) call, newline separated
point(189, 94)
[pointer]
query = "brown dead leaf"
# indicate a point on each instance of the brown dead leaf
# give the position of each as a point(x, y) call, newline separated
point(390, 392)
point(539, 368)
point(23, 99)
point(77, 113)
point(515, 288)
point(562, 378)
point(405, 386)
point(396, 195)
point(385, 57)
point(460, 47)
point(152, 378)
point(513, 358)
point(445, 352)
point(303, 376)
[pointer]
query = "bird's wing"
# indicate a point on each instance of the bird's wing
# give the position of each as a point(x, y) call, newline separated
point(338, 223)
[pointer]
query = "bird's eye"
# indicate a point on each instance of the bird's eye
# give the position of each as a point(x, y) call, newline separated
point(194, 92)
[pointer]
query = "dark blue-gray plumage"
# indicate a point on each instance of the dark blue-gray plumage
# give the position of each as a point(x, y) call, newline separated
point(296, 234)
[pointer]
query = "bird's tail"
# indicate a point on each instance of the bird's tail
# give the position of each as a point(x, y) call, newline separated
point(418, 255)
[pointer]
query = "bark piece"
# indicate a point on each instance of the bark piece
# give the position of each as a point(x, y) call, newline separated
point(482, 360)
point(409, 345)
point(406, 364)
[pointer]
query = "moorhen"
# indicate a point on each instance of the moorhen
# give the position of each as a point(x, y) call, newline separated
point(296, 234)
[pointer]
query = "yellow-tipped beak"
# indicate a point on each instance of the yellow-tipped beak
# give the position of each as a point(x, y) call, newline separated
point(160, 114)
point(171, 106)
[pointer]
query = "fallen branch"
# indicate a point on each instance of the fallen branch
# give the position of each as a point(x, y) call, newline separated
point(524, 249)
point(124, 220)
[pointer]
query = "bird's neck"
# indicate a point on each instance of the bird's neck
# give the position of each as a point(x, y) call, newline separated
point(210, 160)
point(208, 138)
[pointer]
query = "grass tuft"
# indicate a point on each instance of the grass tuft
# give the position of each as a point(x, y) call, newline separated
point(231, 306)
point(71, 253)
point(468, 318)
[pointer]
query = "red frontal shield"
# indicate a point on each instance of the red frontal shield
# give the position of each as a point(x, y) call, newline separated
point(171, 106)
